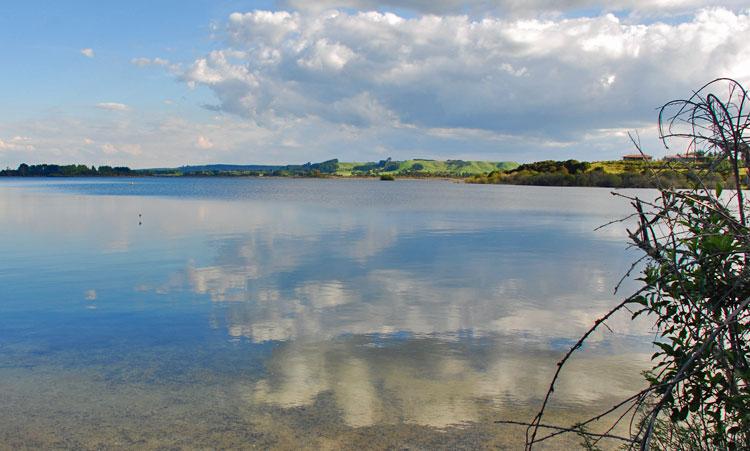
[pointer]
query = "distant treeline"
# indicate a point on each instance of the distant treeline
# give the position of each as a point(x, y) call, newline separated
point(79, 170)
point(613, 174)
point(71, 170)
point(322, 169)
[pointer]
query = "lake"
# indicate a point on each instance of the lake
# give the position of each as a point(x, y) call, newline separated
point(305, 313)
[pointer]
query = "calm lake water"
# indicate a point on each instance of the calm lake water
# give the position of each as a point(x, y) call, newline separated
point(287, 313)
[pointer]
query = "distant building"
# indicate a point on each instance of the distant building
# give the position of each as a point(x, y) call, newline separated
point(636, 157)
point(689, 157)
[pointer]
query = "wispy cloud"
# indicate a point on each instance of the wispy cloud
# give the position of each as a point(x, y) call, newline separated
point(112, 106)
point(17, 143)
point(142, 62)
point(129, 149)
point(203, 143)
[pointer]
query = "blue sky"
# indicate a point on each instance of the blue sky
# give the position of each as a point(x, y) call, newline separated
point(188, 82)
point(43, 39)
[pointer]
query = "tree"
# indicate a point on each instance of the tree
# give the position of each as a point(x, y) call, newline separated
point(696, 288)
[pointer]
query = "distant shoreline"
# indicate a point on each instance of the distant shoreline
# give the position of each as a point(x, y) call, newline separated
point(603, 174)
point(191, 176)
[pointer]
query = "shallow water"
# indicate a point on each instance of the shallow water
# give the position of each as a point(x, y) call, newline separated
point(292, 313)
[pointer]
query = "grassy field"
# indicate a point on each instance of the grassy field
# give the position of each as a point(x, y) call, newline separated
point(420, 167)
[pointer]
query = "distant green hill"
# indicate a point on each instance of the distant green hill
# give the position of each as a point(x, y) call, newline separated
point(423, 167)
point(413, 168)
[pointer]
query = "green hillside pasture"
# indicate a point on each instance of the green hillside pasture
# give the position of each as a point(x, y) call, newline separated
point(423, 167)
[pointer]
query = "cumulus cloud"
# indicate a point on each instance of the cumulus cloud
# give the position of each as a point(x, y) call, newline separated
point(112, 106)
point(515, 7)
point(556, 79)
point(88, 53)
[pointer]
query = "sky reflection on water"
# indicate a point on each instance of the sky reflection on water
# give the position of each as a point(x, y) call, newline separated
point(408, 303)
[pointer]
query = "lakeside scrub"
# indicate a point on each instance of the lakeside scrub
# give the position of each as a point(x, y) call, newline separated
point(610, 174)
point(695, 291)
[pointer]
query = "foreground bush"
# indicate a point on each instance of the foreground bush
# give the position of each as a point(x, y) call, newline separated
point(696, 289)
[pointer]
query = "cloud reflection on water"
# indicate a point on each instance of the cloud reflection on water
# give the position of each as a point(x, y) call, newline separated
point(433, 383)
point(386, 314)
point(403, 309)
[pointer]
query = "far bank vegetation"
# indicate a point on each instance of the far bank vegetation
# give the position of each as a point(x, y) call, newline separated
point(611, 174)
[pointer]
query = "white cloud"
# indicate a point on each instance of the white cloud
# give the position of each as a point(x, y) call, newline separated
point(112, 106)
point(203, 143)
point(608, 80)
point(142, 62)
point(516, 7)
point(108, 148)
point(125, 148)
point(550, 78)
point(325, 56)
point(88, 53)
point(17, 143)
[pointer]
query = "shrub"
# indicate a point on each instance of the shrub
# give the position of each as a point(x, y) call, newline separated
point(696, 289)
